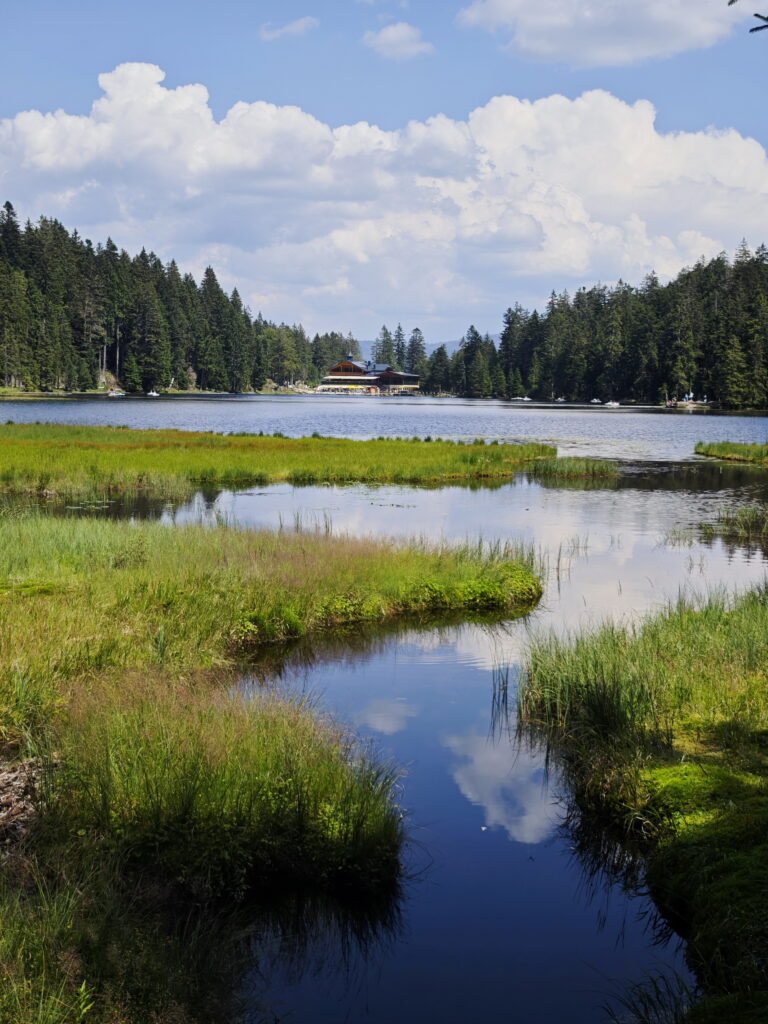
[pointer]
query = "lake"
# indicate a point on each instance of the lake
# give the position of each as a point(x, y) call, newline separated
point(501, 919)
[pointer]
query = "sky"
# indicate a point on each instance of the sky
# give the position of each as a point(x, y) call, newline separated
point(349, 163)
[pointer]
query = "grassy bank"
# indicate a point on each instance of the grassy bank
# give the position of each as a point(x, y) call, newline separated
point(90, 461)
point(663, 732)
point(755, 453)
point(118, 596)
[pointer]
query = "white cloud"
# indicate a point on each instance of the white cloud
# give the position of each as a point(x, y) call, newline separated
point(603, 32)
point(400, 41)
point(299, 27)
point(441, 223)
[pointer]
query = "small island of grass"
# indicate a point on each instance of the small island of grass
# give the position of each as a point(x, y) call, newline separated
point(732, 451)
point(85, 462)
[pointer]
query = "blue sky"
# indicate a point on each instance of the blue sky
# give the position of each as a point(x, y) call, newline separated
point(577, 142)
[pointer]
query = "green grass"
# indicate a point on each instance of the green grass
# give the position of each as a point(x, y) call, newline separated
point(568, 467)
point(732, 451)
point(89, 461)
point(663, 732)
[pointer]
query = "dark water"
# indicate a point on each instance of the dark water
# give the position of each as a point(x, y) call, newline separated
point(501, 919)
point(615, 433)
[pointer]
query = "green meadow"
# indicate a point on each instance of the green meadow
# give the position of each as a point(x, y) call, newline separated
point(662, 731)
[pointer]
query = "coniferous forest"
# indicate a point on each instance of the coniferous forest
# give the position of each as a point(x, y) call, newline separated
point(75, 316)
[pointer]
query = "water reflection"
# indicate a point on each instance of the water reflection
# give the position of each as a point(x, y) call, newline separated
point(510, 786)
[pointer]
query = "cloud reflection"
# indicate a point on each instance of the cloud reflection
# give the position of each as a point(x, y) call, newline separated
point(387, 716)
point(508, 784)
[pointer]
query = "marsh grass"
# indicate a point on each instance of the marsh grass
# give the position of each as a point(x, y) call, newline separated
point(567, 467)
point(218, 793)
point(88, 462)
point(735, 452)
point(115, 596)
point(747, 525)
point(662, 732)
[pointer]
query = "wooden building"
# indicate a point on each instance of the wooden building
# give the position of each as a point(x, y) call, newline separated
point(367, 377)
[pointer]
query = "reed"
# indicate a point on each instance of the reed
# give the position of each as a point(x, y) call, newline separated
point(661, 730)
point(744, 525)
point(87, 462)
point(567, 467)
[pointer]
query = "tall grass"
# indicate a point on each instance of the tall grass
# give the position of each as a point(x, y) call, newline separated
point(733, 451)
point(661, 730)
point(218, 793)
point(568, 467)
point(86, 462)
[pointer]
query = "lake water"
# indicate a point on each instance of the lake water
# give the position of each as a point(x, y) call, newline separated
point(501, 920)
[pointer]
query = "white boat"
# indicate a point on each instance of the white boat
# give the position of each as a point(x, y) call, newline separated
point(559, 399)
point(526, 399)
point(595, 401)
point(611, 405)
point(115, 393)
point(152, 394)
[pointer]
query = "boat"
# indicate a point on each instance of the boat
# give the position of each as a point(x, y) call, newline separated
point(595, 401)
point(526, 399)
point(559, 400)
point(152, 394)
point(115, 393)
point(611, 405)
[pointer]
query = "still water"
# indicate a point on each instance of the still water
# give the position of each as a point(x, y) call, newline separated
point(500, 919)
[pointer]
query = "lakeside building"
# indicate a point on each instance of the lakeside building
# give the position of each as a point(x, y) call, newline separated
point(367, 377)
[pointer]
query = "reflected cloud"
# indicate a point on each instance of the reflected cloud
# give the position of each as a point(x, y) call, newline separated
point(387, 716)
point(508, 784)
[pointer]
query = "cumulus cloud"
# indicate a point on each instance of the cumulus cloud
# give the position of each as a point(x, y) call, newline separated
point(442, 223)
point(400, 41)
point(299, 27)
point(603, 32)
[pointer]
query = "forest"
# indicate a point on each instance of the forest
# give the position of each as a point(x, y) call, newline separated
point(74, 316)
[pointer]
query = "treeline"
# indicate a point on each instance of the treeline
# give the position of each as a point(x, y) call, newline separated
point(705, 333)
point(75, 316)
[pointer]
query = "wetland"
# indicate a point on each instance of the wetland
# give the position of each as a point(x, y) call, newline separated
point(502, 885)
